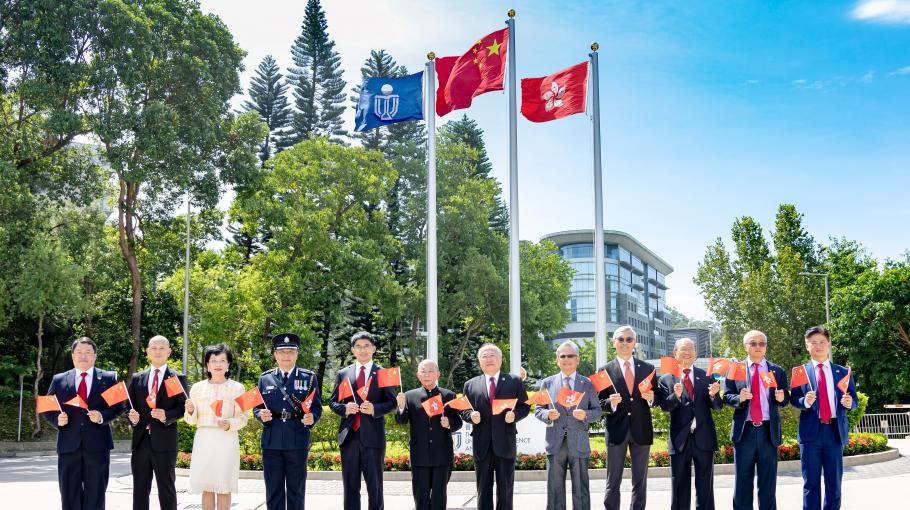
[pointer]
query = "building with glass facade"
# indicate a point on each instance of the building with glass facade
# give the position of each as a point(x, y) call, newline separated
point(701, 337)
point(635, 289)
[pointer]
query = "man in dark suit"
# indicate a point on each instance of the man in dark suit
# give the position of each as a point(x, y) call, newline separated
point(494, 434)
point(693, 439)
point(822, 432)
point(629, 426)
point(286, 425)
point(84, 439)
point(432, 454)
point(155, 430)
point(567, 442)
point(755, 431)
point(361, 433)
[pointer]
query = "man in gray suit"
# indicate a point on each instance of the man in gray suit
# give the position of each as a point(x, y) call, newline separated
point(567, 442)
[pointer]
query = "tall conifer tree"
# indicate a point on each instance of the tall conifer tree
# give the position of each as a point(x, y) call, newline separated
point(268, 98)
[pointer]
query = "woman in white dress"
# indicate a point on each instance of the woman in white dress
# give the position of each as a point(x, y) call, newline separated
point(215, 465)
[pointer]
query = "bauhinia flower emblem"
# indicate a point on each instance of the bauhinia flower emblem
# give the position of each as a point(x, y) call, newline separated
point(553, 97)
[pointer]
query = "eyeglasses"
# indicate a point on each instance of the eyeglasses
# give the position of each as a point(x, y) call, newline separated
point(568, 356)
point(757, 344)
point(628, 340)
point(362, 347)
point(816, 343)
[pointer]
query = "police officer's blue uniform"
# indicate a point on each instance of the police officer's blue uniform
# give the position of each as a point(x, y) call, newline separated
point(285, 439)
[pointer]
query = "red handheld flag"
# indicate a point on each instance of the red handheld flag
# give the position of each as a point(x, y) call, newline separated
point(308, 401)
point(77, 402)
point(768, 380)
point(669, 365)
point(601, 380)
point(388, 377)
point(173, 386)
point(150, 400)
point(362, 391)
point(718, 367)
point(569, 398)
point(540, 398)
point(217, 407)
point(481, 69)
point(47, 403)
point(556, 96)
point(115, 394)
point(737, 371)
point(798, 377)
point(250, 399)
point(645, 385)
point(502, 404)
point(461, 403)
point(844, 383)
point(345, 390)
point(433, 406)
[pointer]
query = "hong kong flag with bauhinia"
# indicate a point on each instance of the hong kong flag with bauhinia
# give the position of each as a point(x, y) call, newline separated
point(481, 69)
point(556, 96)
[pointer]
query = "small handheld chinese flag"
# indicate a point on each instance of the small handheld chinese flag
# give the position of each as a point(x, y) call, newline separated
point(151, 401)
point(433, 406)
point(250, 399)
point(217, 407)
point(798, 377)
point(569, 398)
point(461, 403)
point(669, 365)
point(345, 390)
point(503, 404)
point(362, 392)
point(737, 371)
point(645, 385)
point(718, 367)
point(77, 402)
point(308, 402)
point(47, 403)
point(115, 394)
point(601, 380)
point(388, 377)
point(768, 380)
point(844, 383)
point(173, 386)
point(540, 398)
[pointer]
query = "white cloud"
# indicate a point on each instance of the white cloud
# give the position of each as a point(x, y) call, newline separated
point(903, 70)
point(882, 11)
point(806, 84)
point(868, 77)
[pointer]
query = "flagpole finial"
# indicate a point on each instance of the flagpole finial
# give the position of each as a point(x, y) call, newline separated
point(511, 13)
point(595, 46)
point(431, 56)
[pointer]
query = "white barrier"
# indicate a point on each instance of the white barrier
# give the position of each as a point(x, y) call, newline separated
point(893, 425)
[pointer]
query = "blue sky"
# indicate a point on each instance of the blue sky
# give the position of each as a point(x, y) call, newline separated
point(709, 110)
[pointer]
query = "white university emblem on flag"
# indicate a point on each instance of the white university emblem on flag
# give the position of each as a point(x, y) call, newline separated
point(386, 106)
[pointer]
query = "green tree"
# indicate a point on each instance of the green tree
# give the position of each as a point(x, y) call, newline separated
point(268, 98)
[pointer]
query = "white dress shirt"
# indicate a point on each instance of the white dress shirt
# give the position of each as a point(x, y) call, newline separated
point(161, 371)
point(829, 384)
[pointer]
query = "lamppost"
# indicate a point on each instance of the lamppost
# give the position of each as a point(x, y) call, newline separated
point(827, 304)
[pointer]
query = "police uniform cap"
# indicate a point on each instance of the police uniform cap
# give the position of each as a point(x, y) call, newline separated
point(285, 341)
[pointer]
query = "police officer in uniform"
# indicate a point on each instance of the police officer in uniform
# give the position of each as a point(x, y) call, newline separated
point(286, 425)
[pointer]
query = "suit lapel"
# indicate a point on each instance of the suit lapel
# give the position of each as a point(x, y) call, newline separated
point(144, 386)
point(618, 377)
point(96, 385)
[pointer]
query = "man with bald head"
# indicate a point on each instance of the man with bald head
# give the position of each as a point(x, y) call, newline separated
point(155, 427)
point(431, 448)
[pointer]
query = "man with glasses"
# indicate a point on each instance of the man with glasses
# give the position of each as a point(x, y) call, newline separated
point(755, 431)
point(567, 442)
point(629, 426)
point(361, 433)
point(822, 433)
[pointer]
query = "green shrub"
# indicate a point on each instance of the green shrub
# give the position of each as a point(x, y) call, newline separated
point(854, 416)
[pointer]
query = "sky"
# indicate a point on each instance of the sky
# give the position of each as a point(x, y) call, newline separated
point(709, 110)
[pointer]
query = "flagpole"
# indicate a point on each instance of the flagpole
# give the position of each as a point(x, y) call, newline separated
point(430, 116)
point(128, 396)
point(514, 269)
point(600, 281)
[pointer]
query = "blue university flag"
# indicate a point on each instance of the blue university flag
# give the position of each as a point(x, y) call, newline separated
point(385, 101)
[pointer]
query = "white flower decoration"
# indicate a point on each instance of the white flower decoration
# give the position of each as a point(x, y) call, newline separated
point(553, 97)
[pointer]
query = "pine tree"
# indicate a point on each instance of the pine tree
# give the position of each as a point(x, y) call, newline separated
point(316, 80)
point(268, 98)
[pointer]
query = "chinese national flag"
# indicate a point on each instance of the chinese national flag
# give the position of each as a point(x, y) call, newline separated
point(737, 371)
point(718, 367)
point(77, 402)
point(115, 394)
point(481, 69)
point(502, 404)
point(48, 403)
point(601, 380)
point(844, 383)
point(461, 403)
point(173, 386)
point(540, 398)
point(250, 399)
point(308, 401)
point(798, 376)
point(556, 96)
point(768, 380)
point(345, 390)
point(645, 385)
point(433, 406)
point(569, 398)
point(150, 400)
point(389, 377)
point(362, 392)
point(217, 407)
point(669, 365)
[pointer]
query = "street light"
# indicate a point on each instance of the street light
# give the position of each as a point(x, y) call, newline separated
point(827, 304)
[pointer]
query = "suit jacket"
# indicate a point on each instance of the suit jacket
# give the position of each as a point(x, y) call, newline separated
point(372, 428)
point(575, 431)
point(162, 436)
point(80, 432)
point(493, 433)
point(431, 444)
point(290, 434)
point(809, 417)
point(633, 414)
point(741, 409)
point(684, 409)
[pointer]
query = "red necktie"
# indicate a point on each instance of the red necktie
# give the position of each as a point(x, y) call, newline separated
point(361, 380)
point(492, 389)
point(824, 407)
point(630, 379)
point(688, 384)
point(755, 404)
point(83, 389)
point(153, 393)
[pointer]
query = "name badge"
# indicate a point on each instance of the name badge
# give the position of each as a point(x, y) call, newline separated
point(270, 387)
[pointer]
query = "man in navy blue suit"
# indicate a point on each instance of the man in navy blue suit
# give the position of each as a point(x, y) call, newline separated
point(84, 439)
point(756, 432)
point(822, 430)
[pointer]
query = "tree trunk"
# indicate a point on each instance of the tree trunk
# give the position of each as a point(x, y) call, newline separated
point(324, 351)
point(39, 373)
point(458, 356)
point(127, 237)
point(87, 289)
